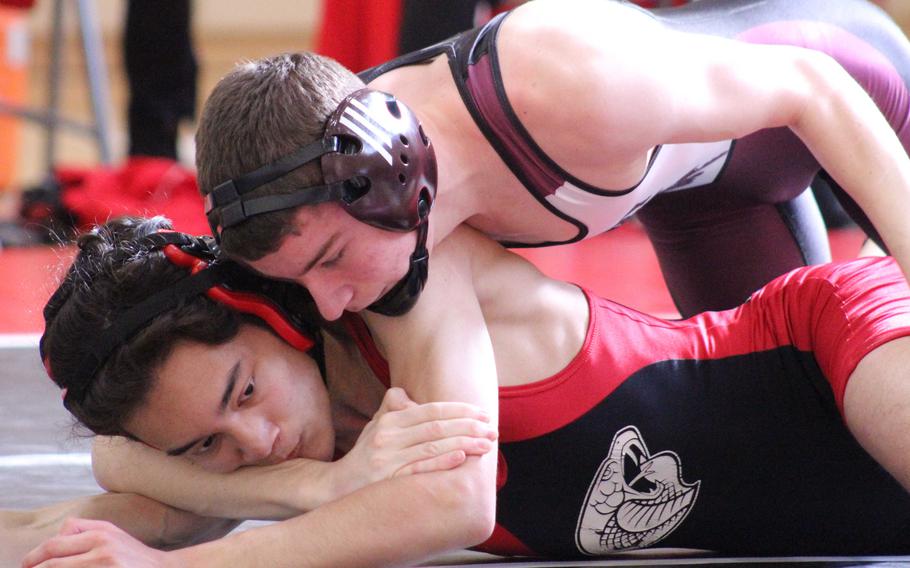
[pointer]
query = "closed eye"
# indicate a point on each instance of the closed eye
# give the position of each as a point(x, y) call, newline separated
point(248, 391)
point(329, 263)
point(207, 446)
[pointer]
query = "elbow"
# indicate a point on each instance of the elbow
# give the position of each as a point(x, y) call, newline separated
point(474, 520)
point(825, 85)
point(481, 529)
point(467, 503)
point(478, 514)
point(101, 470)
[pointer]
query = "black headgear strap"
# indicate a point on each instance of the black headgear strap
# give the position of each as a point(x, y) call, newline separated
point(129, 322)
point(376, 161)
point(234, 209)
point(403, 296)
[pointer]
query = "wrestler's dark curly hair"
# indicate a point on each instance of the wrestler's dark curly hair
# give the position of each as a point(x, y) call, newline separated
point(116, 268)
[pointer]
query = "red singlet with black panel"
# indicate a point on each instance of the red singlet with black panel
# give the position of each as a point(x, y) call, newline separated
point(721, 432)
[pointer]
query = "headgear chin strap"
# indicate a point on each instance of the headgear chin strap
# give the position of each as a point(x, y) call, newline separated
point(377, 163)
point(404, 294)
point(282, 305)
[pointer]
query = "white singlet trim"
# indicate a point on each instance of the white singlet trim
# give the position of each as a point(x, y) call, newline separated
point(676, 167)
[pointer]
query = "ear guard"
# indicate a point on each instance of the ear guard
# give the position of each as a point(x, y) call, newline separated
point(287, 308)
point(246, 302)
point(376, 160)
point(377, 163)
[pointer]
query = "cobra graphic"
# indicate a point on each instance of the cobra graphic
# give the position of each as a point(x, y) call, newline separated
point(635, 499)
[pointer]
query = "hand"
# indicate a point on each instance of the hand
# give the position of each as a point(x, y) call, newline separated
point(84, 542)
point(405, 438)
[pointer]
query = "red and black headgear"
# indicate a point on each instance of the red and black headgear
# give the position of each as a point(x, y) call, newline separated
point(286, 307)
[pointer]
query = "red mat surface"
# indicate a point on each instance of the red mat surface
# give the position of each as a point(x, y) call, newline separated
point(619, 265)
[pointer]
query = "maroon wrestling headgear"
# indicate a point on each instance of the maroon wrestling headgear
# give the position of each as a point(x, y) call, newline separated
point(377, 163)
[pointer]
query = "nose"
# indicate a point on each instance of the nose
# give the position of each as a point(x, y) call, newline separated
point(255, 439)
point(331, 297)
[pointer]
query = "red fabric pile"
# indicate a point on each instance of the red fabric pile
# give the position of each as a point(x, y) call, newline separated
point(18, 3)
point(143, 186)
point(359, 33)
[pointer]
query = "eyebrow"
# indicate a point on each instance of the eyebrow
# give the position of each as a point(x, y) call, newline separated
point(222, 406)
point(321, 254)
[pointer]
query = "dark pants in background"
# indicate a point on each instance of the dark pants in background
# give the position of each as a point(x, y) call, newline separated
point(161, 70)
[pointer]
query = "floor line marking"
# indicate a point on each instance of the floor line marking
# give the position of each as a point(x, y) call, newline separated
point(19, 340)
point(39, 460)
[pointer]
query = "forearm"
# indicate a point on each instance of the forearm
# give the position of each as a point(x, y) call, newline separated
point(20, 531)
point(153, 523)
point(754, 87)
point(269, 492)
point(394, 522)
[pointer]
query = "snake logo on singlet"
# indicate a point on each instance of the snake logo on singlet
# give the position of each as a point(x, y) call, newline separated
point(635, 499)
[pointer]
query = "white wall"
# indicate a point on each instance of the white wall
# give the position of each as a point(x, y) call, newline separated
point(211, 17)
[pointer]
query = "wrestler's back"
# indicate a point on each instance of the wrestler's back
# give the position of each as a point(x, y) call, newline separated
point(475, 185)
point(478, 188)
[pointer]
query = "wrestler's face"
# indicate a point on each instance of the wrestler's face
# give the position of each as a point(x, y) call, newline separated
point(254, 400)
point(344, 263)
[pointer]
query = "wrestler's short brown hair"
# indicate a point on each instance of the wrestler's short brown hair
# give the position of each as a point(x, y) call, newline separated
point(260, 111)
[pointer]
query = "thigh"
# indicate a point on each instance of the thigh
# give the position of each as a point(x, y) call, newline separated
point(713, 257)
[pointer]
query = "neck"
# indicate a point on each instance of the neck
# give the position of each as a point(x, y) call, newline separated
point(431, 94)
point(355, 393)
point(455, 201)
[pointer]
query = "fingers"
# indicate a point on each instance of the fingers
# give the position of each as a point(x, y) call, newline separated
point(395, 399)
point(445, 462)
point(418, 438)
point(405, 412)
point(75, 526)
point(85, 542)
point(62, 546)
point(433, 411)
point(438, 430)
point(443, 454)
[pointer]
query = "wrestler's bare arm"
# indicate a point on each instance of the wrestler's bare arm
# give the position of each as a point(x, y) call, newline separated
point(265, 492)
point(439, 351)
point(154, 524)
point(442, 351)
point(403, 438)
point(634, 84)
point(876, 407)
point(431, 513)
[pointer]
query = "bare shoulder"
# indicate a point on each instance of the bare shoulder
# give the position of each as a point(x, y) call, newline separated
point(448, 291)
point(589, 64)
point(463, 236)
point(467, 250)
point(578, 15)
point(548, 36)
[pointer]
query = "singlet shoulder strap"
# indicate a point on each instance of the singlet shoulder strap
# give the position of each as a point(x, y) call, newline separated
point(475, 70)
point(358, 331)
point(473, 63)
point(420, 57)
point(460, 49)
